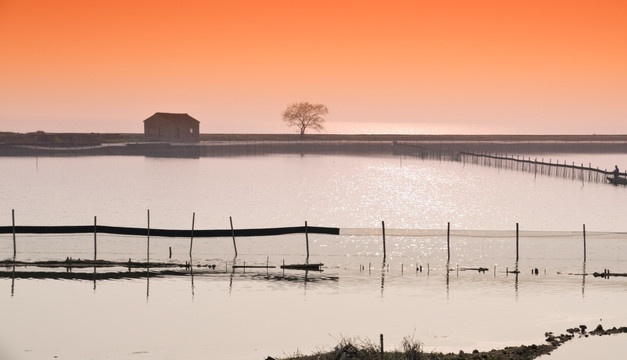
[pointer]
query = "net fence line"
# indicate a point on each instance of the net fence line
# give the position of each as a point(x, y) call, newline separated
point(479, 233)
point(341, 231)
point(551, 168)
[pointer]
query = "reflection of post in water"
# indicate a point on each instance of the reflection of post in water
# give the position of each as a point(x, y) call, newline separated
point(230, 283)
point(94, 278)
point(448, 267)
point(305, 284)
point(232, 272)
point(147, 281)
point(191, 273)
point(267, 267)
point(13, 282)
point(516, 272)
point(583, 280)
point(382, 277)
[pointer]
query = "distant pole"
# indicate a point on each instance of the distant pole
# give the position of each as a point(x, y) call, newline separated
point(584, 242)
point(307, 239)
point(148, 239)
point(95, 244)
point(191, 240)
point(233, 235)
point(516, 242)
point(448, 240)
point(383, 230)
point(13, 220)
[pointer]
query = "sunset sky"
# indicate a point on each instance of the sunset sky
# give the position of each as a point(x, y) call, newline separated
point(442, 66)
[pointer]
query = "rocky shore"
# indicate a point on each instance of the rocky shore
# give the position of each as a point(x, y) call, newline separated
point(412, 350)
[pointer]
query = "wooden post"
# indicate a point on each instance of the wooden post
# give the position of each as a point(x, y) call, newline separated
point(95, 245)
point(383, 230)
point(233, 235)
point(148, 239)
point(191, 240)
point(307, 239)
point(516, 242)
point(584, 242)
point(13, 220)
point(382, 352)
point(448, 241)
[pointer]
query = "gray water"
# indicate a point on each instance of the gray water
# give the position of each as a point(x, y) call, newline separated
point(218, 313)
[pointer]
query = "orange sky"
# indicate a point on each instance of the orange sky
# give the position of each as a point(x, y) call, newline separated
point(501, 66)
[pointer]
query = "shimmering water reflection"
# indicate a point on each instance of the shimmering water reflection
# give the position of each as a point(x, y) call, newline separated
point(218, 313)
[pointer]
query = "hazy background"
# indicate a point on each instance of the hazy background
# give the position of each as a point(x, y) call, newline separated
point(380, 66)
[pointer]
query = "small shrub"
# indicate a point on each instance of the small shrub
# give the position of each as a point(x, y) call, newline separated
point(412, 349)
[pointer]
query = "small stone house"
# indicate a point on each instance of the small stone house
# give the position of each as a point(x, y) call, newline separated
point(171, 127)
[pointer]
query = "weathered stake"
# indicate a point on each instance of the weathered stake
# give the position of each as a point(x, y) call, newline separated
point(95, 244)
point(233, 235)
point(148, 239)
point(191, 240)
point(584, 242)
point(448, 240)
point(307, 239)
point(383, 230)
point(382, 352)
point(13, 220)
point(516, 242)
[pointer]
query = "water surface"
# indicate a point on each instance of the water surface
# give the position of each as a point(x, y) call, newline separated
point(235, 315)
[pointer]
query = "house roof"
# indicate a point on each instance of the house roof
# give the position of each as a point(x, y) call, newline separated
point(183, 119)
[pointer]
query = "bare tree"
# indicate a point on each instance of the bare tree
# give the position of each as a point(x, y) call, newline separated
point(305, 115)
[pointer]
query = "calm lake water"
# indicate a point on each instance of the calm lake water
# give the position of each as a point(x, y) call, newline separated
point(221, 313)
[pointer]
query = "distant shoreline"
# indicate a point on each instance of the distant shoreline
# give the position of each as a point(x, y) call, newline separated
point(92, 144)
point(77, 138)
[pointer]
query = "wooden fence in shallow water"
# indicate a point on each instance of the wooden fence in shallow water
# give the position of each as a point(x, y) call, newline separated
point(277, 231)
point(550, 168)
point(191, 233)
